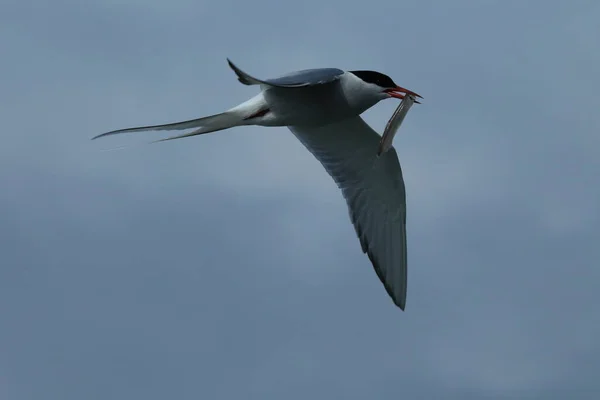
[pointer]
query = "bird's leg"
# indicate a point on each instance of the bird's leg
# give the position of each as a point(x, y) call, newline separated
point(259, 113)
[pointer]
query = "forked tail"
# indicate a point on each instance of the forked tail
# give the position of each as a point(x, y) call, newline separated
point(208, 124)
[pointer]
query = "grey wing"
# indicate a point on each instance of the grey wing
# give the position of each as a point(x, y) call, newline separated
point(304, 78)
point(374, 191)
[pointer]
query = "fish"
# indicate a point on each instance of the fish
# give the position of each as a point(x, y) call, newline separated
point(394, 124)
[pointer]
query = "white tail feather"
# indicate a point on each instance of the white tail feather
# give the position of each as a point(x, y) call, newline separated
point(206, 124)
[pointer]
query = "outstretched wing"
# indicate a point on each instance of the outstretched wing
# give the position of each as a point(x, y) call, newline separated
point(304, 78)
point(374, 191)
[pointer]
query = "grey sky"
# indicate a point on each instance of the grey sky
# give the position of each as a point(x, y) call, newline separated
point(225, 266)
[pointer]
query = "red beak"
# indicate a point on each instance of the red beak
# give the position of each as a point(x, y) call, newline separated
point(399, 93)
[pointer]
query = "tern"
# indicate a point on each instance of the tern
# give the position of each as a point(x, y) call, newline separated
point(322, 108)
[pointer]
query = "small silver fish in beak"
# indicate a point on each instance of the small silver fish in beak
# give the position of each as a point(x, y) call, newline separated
point(394, 123)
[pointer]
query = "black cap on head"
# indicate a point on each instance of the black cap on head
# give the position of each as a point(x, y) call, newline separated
point(376, 78)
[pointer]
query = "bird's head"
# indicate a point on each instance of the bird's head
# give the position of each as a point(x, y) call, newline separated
point(382, 86)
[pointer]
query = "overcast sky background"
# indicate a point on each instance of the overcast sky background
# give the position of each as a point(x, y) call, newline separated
point(225, 266)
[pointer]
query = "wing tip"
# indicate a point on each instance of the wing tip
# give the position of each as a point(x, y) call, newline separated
point(231, 64)
point(401, 304)
point(241, 75)
point(398, 300)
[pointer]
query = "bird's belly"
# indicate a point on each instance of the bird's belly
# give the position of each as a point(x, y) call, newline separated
point(308, 106)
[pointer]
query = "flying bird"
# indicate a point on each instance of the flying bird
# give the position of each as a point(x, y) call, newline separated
point(322, 108)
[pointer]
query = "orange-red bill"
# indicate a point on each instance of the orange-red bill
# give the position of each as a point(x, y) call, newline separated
point(399, 93)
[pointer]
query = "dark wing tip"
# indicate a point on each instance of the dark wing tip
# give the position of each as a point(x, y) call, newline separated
point(237, 71)
point(231, 64)
point(399, 302)
point(241, 75)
